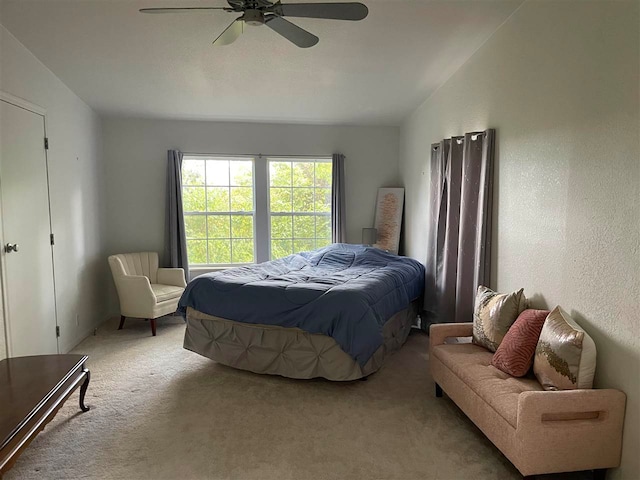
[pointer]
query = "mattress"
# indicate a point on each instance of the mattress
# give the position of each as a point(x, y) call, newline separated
point(346, 292)
point(289, 352)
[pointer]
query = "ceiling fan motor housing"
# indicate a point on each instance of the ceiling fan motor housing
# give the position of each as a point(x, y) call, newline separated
point(253, 17)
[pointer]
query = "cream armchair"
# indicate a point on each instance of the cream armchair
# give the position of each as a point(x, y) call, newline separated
point(145, 291)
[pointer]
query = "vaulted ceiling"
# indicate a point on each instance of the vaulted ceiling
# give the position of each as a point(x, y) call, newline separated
point(376, 71)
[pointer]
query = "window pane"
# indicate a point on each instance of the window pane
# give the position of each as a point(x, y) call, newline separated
point(222, 186)
point(303, 174)
point(303, 199)
point(281, 227)
point(241, 226)
point(197, 251)
point(303, 245)
point(242, 251)
point(323, 200)
point(218, 172)
point(193, 199)
point(241, 199)
point(304, 227)
point(219, 251)
point(323, 174)
point(323, 226)
point(219, 226)
point(280, 200)
point(323, 242)
point(217, 199)
point(281, 248)
point(196, 226)
point(193, 172)
point(280, 174)
point(242, 173)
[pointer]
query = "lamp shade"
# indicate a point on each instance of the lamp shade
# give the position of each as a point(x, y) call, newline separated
point(369, 236)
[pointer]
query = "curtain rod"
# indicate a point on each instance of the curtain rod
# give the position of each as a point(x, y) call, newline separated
point(460, 138)
point(258, 155)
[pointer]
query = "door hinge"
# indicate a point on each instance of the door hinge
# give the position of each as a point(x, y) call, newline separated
point(46, 143)
point(57, 331)
point(52, 238)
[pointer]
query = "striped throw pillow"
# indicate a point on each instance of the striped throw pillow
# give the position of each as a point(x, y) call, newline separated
point(515, 353)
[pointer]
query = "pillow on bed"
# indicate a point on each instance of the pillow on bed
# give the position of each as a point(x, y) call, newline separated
point(515, 354)
point(566, 354)
point(494, 313)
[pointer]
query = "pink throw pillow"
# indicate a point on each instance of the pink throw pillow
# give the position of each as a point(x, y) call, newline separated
point(515, 353)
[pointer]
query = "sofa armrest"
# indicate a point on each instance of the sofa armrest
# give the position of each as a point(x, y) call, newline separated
point(569, 430)
point(439, 332)
point(172, 276)
point(546, 407)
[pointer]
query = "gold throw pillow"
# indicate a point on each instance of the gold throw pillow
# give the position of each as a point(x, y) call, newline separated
point(493, 314)
point(565, 356)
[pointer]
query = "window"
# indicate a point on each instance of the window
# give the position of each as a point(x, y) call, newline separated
point(300, 205)
point(240, 210)
point(217, 198)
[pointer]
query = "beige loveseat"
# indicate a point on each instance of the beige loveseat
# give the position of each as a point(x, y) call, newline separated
point(538, 431)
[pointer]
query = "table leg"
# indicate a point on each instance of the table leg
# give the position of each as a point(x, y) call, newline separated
point(83, 389)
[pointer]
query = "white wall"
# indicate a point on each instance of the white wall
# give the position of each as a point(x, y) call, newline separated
point(559, 82)
point(136, 157)
point(76, 188)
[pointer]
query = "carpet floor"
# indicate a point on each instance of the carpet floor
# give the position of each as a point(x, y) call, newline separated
point(161, 412)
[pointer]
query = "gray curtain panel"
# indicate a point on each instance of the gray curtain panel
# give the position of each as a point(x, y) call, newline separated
point(436, 235)
point(459, 240)
point(338, 217)
point(175, 254)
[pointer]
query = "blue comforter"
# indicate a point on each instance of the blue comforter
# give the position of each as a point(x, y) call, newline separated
point(345, 291)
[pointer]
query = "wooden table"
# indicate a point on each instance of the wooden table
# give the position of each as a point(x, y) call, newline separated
point(32, 390)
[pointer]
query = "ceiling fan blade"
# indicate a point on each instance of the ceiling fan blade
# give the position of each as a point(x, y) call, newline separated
point(334, 11)
point(291, 32)
point(182, 9)
point(230, 34)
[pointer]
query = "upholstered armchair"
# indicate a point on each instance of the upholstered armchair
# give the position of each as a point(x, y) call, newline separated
point(145, 291)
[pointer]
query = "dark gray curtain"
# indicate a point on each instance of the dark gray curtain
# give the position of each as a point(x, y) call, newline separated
point(459, 240)
point(338, 217)
point(436, 235)
point(175, 254)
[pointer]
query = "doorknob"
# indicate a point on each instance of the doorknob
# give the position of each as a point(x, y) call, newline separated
point(11, 247)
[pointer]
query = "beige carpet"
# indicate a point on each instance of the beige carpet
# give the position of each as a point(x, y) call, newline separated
point(161, 412)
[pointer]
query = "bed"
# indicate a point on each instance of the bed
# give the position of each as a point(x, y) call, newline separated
point(336, 312)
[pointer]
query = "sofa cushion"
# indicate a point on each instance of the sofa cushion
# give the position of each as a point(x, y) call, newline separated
point(472, 364)
point(565, 356)
point(493, 314)
point(166, 292)
point(515, 353)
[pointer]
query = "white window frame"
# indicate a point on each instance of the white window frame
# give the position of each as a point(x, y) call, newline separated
point(205, 157)
point(261, 203)
point(294, 160)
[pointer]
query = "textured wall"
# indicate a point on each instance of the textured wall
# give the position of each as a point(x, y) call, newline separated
point(75, 186)
point(559, 82)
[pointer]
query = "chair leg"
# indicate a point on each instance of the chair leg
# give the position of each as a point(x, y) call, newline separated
point(438, 391)
point(153, 326)
point(122, 317)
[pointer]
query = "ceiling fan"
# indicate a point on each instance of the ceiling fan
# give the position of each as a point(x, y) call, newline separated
point(264, 12)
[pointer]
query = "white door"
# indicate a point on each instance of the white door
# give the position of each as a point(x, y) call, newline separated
point(26, 251)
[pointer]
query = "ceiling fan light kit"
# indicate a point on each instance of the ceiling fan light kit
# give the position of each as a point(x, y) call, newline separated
point(253, 17)
point(264, 12)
